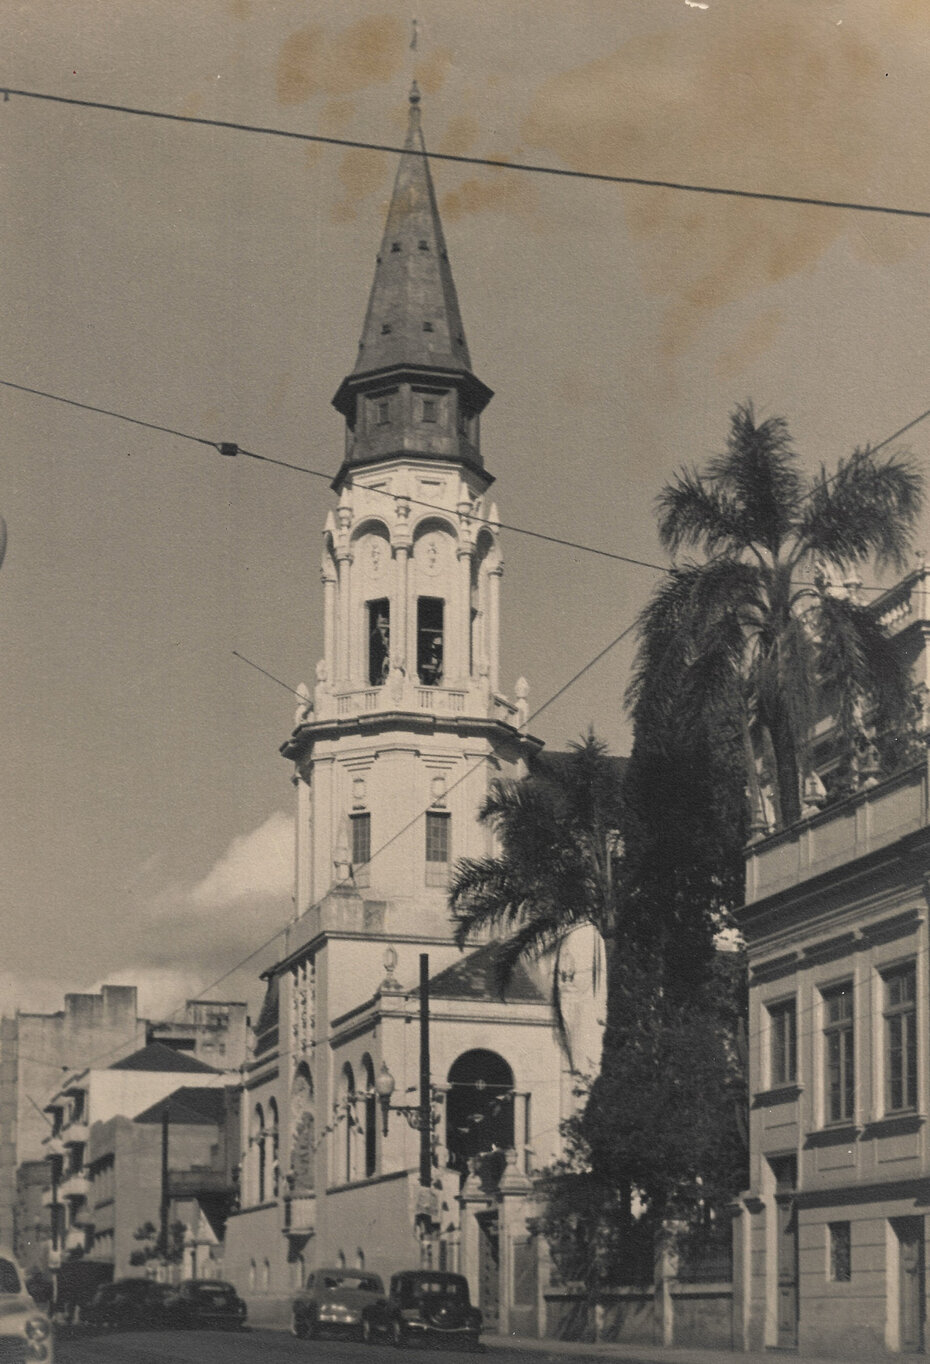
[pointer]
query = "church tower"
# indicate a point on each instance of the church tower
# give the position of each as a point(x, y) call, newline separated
point(406, 724)
point(393, 755)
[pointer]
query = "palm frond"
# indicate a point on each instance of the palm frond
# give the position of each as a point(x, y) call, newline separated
point(860, 662)
point(759, 472)
point(692, 512)
point(867, 509)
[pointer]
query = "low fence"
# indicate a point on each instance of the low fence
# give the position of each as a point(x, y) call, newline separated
point(688, 1303)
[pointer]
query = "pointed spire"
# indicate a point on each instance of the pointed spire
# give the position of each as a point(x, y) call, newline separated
point(413, 313)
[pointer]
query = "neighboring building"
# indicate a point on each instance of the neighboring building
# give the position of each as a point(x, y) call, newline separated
point(393, 757)
point(95, 1096)
point(215, 1031)
point(833, 1233)
point(124, 1163)
point(36, 1050)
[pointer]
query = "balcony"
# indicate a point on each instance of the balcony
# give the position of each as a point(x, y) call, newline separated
point(199, 1183)
point(299, 1214)
point(74, 1185)
point(74, 1133)
point(862, 824)
point(406, 696)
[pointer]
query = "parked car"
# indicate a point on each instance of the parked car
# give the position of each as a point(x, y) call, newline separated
point(127, 1304)
point(25, 1332)
point(334, 1300)
point(424, 1304)
point(204, 1302)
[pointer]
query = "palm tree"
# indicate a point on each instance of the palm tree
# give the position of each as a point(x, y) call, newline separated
point(757, 632)
point(557, 830)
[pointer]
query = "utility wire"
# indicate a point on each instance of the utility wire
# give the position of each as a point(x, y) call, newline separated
point(349, 881)
point(230, 448)
point(497, 163)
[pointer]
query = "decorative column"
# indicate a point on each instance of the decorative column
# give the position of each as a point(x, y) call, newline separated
point(400, 655)
point(494, 587)
point(329, 616)
point(463, 651)
point(344, 565)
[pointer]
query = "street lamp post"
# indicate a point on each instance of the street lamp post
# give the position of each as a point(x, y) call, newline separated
point(419, 1116)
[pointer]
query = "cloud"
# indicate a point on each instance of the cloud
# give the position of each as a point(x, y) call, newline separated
point(772, 100)
point(256, 866)
point(161, 990)
point(316, 61)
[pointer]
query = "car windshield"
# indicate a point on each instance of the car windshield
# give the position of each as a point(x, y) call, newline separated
point(367, 1282)
point(436, 1287)
point(9, 1277)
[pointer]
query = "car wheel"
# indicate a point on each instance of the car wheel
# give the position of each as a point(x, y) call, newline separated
point(398, 1335)
point(299, 1326)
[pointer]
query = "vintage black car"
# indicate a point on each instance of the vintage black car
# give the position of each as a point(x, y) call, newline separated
point(424, 1304)
point(204, 1303)
point(126, 1305)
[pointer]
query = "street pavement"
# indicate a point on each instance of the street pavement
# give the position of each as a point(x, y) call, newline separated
point(244, 1347)
point(248, 1347)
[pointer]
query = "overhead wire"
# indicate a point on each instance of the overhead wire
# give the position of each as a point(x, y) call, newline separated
point(230, 448)
point(497, 163)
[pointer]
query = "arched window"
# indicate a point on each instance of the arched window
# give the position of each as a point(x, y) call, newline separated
point(371, 1118)
point(273, 1141)
point(479, 1110)
point(348, 1124)
point(257, 1143)
point(252, 1275)
point(266, 1276)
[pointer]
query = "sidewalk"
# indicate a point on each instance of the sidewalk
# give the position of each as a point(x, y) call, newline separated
point(547, 1349)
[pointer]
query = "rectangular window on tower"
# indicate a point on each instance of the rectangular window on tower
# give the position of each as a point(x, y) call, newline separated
point(430, 640)
point(361, 847)
point(379, 641)
point(438, 827)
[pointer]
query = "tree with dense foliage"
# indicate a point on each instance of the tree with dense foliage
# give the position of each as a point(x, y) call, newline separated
point(557, 829)
point(757, 629)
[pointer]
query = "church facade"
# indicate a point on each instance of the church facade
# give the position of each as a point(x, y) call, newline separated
point(392, 755)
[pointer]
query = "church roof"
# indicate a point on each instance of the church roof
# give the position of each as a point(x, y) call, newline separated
point(413, 313)
point(475, 977)
point(156, 1056)
point(195, 1105)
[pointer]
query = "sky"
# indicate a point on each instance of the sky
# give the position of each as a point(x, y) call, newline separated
point(215, 282)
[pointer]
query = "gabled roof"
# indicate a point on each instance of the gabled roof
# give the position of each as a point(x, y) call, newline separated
point(156, 1056)
point(474, 977)
point(413, 313)
point(195, 1105)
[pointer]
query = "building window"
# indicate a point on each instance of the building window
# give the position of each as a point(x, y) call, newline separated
point(901, 1039)
point(361, 841)
point(384, 413)
point(429, 409)
point(430, 617)
point(437, 836)
point(840, 1252)
point(379, 641)
point(839, 1054)
point(784, 1053)
point(371, 1122)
